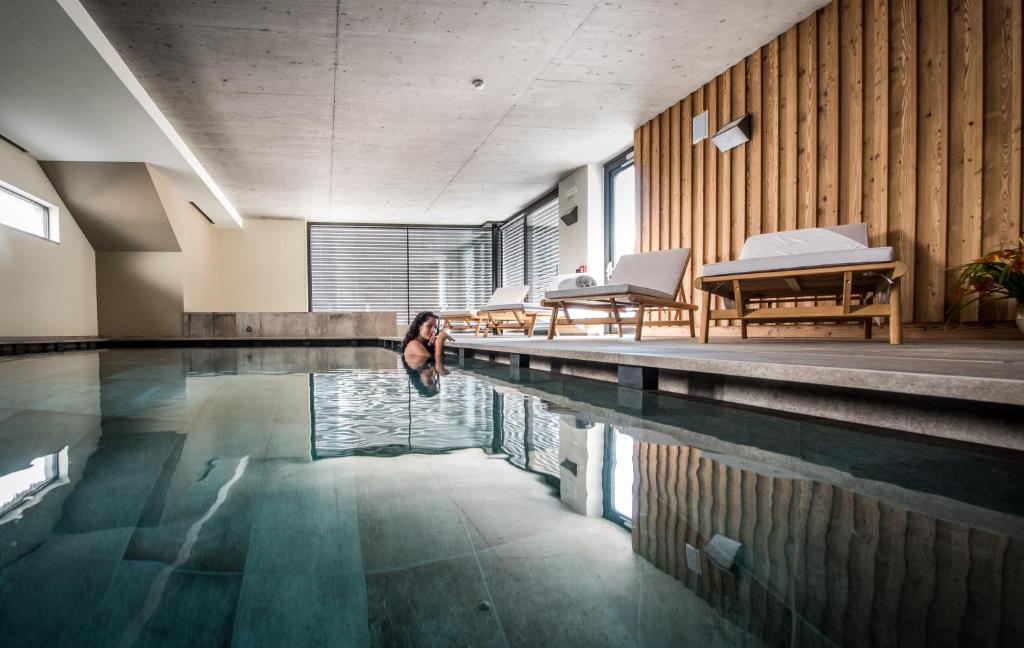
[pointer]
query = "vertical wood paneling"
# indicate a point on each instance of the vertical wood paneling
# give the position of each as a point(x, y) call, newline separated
point(905, 117)
point(966, 116)
point(807, 122)
point(851, 110)
point(770, 134)
point(666, 175)
point(1001, 223)
point(933, 167)
point(753, 148)
point(739, 164)
point(675, 178)
point(828, 116)
point(788, 119)
point(903, 140)
point(654, 238)
point(876, 121)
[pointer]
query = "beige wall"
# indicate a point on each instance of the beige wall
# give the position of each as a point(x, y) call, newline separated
point(139, 293)
point(198, 241)
point(262, 267)
point(46, 288)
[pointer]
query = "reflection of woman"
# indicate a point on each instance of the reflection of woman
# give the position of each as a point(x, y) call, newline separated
point(423, 341)
point(425, 377)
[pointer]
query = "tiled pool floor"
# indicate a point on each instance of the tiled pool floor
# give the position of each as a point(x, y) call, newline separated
point(314, 497)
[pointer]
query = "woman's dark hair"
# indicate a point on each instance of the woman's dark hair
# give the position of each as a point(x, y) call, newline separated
point(414, 329)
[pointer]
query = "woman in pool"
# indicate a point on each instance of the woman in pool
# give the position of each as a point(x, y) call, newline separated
point(424, 341)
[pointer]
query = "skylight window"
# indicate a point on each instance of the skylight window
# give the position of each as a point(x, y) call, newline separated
point(27, 213)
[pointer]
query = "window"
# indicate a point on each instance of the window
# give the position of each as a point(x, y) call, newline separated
point(27, 213)
point(620, 207)
point(618, 477)
point(400, 269)
point(542, 246)
point(512, 237)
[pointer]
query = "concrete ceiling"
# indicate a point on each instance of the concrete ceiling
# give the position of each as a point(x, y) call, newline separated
point(364, 111)
point(66, 95)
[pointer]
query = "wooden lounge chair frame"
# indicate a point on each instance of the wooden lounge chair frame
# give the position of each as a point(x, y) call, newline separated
point(852, 287)
point(461, 323)
point(644, 305)
point(504, 320)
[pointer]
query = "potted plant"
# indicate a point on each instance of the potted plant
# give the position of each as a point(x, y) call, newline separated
point(996, 276)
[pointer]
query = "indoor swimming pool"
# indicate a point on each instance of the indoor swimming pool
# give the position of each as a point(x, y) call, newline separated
point(335, 497)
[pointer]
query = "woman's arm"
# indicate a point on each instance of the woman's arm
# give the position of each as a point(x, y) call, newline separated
point(439, 342)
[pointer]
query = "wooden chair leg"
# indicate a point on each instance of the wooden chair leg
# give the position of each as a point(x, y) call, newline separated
point(691, 317)
point(553, 327)
point(867, 329)
point(895, 314)
point(531, 325)
point(640, 313)
point(705, 316)
point(743, 329)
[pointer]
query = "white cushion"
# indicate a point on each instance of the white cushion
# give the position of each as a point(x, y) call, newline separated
point(604, 291)
point(659, 271)
point(799, 261)
point(509, 295)
point(458, 313)
point(806, 241)
point(525, 307)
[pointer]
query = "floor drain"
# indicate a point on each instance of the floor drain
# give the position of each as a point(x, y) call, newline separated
point(483, 606)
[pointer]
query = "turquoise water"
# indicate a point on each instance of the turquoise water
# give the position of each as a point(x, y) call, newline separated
point(328, 497)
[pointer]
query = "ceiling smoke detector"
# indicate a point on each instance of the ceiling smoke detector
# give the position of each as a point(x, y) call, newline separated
point(478, 84)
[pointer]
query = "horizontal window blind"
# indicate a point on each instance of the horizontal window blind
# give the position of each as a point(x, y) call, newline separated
point(449, 268)
point(512, 235)
point(542, 247)
point(400, 269)
point(358, 269)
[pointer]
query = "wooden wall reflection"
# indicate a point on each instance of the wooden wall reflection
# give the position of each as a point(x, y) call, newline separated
point(856, 570)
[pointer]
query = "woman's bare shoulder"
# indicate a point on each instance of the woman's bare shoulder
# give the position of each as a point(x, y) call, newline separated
point(416, 350)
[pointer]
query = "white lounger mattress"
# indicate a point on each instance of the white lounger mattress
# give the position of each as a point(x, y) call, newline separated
point(458, 313)
point(799, 261)
point(604, 291)
point(491, 308)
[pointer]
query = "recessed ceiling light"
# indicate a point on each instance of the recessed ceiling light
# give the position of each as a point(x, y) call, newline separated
point(478, 84)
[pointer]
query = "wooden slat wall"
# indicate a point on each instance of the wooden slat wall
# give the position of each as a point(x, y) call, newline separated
point(902, 114)
point(862, 572)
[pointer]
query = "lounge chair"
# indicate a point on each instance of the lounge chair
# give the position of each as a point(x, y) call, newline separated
point(806, 266)
point(505, 303)
point(640, 284)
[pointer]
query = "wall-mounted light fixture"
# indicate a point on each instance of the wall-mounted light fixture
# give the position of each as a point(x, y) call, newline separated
point(700, 127)
point(570, 217)
point(733, 134)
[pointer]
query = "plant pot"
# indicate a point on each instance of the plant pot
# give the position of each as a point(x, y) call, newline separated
point(1020, 316)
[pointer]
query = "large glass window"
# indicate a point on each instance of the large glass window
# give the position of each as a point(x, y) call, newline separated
point(618, 476)
point(400, 269)
point(512, 234)
point(620, 207)
point(542, 246)
point(26, 213)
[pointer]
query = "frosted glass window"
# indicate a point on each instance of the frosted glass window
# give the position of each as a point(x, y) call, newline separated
point(21, 212)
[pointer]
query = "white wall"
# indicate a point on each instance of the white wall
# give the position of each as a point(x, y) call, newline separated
point(46, 288)
point(583, 242)
point(139, 294)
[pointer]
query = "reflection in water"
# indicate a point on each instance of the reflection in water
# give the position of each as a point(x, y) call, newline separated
point(23, 488)
point(371, 413)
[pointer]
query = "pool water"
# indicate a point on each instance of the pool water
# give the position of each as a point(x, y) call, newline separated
point(331, 497)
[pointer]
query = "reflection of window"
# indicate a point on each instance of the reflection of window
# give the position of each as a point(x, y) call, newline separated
point(27, 213)
point(18, 486)
point(618, 477)
point(620, 207)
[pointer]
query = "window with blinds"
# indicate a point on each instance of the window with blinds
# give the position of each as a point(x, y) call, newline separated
point(449, 268)
point(512, 237)
point(542, 247)
point(400, 269)
point(359, 269)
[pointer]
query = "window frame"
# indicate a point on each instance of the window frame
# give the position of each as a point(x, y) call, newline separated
point(51, 223)
point(612, 168)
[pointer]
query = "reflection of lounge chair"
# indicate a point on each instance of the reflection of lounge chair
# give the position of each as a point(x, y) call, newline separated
point(641, 283)
point(504, 300)
point(806, 267)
